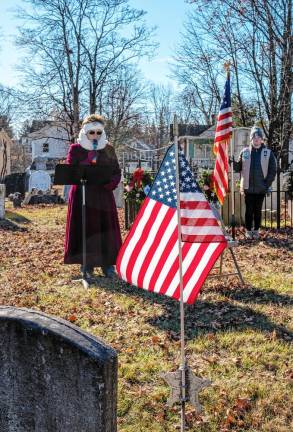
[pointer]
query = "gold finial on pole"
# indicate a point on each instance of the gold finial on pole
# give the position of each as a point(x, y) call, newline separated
point(227, 65)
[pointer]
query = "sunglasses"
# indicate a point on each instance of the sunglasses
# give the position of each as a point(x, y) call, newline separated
point(93, 132)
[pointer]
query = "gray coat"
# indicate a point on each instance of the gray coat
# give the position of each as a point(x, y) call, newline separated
point(257, 183)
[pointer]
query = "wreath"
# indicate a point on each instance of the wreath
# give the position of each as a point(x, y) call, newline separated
point(138, 185)
point(205, 181)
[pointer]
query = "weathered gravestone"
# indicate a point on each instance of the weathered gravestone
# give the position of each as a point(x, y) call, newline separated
point(118, 195)
point(39, 180)
point(54, 377)
point(15, 183)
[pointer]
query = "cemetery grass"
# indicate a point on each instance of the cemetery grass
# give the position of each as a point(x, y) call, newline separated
point(237, 337)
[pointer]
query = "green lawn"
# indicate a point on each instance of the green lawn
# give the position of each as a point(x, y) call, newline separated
point(238, 337)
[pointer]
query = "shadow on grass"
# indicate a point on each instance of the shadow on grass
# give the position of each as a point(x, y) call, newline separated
point(268, 241)
point(8, 225)
point(212, 317)
point(204, 316)
point(16, 217)
point(273, 237)
point(250, 294)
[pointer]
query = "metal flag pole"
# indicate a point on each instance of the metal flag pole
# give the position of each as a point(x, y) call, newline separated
point(84, 279)
point(182, 330)
point(233, 222)
point(185, 385)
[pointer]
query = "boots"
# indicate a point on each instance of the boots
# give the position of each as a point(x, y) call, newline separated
point(109, 271)
point(255, 234)
point(249, 235)
point(87, 272)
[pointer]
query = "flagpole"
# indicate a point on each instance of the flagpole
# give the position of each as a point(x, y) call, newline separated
point(227, 68)
point(182, 330)
point(233, 222)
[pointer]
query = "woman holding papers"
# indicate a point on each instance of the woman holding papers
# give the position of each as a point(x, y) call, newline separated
point(103, 238)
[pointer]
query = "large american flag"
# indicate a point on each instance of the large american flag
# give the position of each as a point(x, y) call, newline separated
point(149, 257)
point(221, 144)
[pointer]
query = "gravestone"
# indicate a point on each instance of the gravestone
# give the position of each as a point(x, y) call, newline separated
point(15, 183)
point(15, 199)
point(39, 180)
point(118, 195)
point(40, 163)
point(54, 377)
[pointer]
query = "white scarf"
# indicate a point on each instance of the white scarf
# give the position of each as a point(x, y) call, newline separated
point(89, 144)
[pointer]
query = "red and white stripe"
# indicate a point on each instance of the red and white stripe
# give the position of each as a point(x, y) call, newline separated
point(224, 125)
point(149, 256)
point(198, 222)
point(221, 145)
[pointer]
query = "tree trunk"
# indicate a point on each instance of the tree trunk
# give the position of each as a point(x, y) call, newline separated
point(2, 201)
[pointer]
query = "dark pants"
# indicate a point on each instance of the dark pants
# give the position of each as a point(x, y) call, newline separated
point(253, 204)
point(88, 268)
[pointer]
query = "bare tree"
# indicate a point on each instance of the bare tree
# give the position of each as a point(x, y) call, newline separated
point(4, 160)
point(109, 50)
point(256, 36)
point(122, 99)
point(8, 105)
point(196, 67)
point(160, 111)
point(73, 46)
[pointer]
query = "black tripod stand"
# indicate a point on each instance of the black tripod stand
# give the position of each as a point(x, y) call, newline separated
point(82, 175)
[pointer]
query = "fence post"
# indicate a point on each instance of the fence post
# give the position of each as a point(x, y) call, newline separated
point(126, 213)
point(278, 195)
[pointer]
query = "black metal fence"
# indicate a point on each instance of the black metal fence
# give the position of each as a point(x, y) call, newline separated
point(272, 217)
point(131, 208)
point(277, 211)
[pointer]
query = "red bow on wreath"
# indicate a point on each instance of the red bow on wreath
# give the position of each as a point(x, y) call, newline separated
point(138, 176)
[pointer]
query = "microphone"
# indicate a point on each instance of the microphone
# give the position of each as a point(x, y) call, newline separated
point(95, 145)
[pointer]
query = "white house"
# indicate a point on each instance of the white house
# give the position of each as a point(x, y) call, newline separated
point(136, 150)
point(50, 142)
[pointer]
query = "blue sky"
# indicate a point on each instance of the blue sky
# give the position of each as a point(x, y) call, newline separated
point(167, 15)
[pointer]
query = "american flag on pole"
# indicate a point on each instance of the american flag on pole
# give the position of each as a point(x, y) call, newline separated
point(149, 257)
point(221, 144)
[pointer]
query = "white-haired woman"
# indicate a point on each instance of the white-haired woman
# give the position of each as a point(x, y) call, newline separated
point(103, 238)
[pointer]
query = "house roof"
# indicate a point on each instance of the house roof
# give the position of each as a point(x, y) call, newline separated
point(138, 145)
point(189, 129)
point(42, 131)
point(209, 133)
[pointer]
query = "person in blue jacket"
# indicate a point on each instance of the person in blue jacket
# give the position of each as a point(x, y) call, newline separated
point(258, 167)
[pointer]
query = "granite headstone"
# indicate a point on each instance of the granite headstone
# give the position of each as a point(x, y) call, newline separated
point(54, 377)
point(39, 180)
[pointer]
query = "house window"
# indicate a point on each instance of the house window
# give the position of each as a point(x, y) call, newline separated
point(45, 148)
